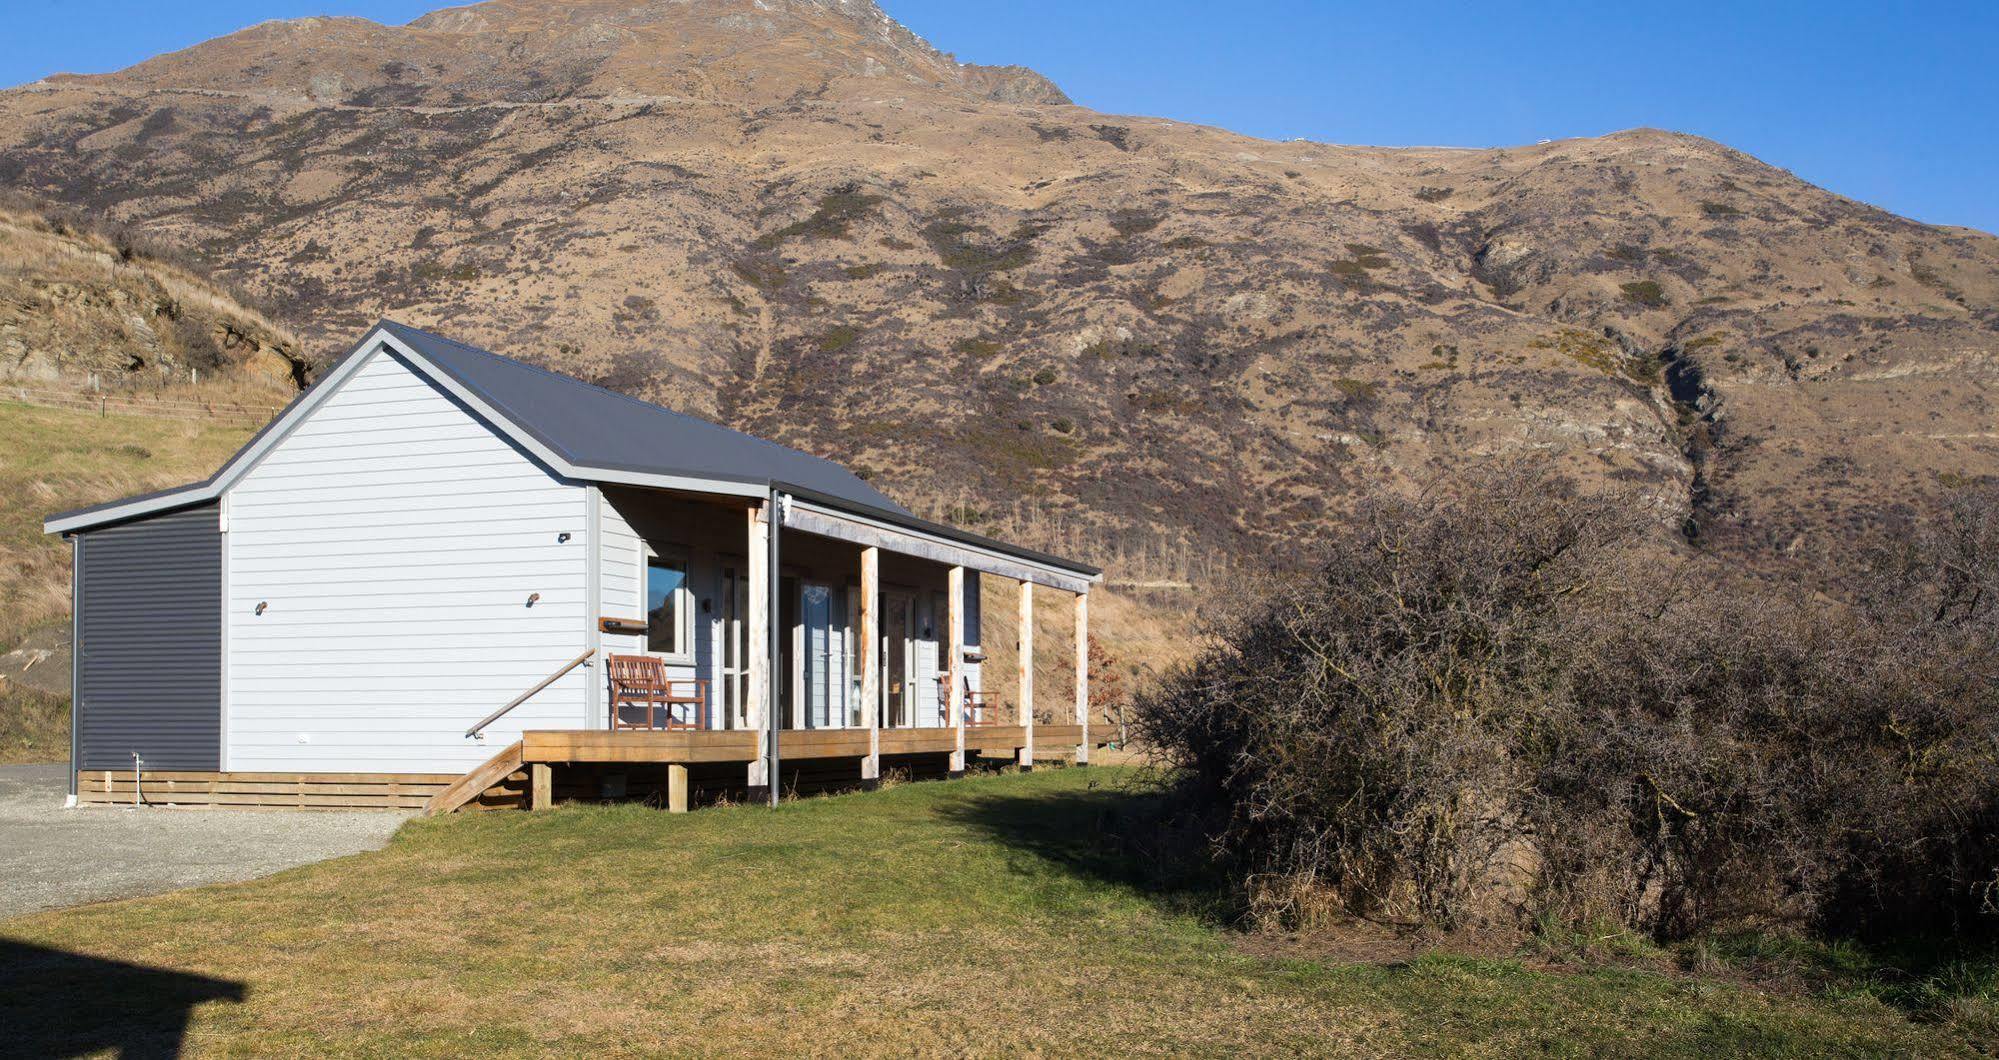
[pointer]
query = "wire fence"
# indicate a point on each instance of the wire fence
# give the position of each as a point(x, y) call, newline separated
point(106, 403)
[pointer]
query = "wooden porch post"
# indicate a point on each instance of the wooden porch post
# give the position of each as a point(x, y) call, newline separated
point(1083, 676)
point(954, 696)
point(540, 786)
point(864, 657)
point(676, 787)
point(1026, 654)
point(759, 651)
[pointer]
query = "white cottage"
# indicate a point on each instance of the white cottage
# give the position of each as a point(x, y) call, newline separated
point(444, 576)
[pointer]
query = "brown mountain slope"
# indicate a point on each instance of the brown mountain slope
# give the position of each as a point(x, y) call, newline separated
point(529, 51)
point(802, 219)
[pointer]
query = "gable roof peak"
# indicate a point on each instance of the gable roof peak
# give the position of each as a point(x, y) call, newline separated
point(594, 428)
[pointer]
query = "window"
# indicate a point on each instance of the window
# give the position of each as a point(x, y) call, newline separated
point(669, 608)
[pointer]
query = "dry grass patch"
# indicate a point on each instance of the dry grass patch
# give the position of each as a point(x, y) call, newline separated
point(34, 727)
point(57, 460)
point(991, 915)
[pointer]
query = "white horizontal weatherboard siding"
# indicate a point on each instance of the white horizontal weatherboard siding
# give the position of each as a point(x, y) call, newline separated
point(396, 539)
point(621, 576)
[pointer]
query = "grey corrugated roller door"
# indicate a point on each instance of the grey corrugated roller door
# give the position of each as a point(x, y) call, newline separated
point(149, 657)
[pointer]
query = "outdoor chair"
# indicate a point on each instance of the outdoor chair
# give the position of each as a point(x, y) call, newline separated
point(644, 697)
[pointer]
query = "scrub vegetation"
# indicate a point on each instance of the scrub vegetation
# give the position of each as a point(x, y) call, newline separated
point(1001, 914)
point(1502, 707)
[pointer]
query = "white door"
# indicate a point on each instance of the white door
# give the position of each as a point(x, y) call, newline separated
point(823, 628)
point(897, 661)
point(734, 671)
point(923, 656)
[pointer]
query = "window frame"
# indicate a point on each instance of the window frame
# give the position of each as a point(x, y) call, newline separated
point(684, 602)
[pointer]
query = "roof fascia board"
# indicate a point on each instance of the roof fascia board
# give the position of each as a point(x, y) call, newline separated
point(684, 483)
point(826, 521)
point(377, 340)
point(165, 500)
point(240, 464)
point(948, 534)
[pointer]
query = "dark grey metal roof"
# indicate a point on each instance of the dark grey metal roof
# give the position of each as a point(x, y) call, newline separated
point(592, 427)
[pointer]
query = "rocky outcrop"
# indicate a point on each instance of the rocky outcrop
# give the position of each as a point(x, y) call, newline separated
point(74, 303)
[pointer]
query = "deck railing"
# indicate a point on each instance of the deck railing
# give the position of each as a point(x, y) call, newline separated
point(981, 708)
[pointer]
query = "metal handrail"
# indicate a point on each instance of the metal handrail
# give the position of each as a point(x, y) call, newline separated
point(529, 694)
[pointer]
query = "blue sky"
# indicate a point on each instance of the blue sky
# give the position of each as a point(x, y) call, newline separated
point(1896, 104)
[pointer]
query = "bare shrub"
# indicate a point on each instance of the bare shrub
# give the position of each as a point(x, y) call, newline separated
point(1506, 703)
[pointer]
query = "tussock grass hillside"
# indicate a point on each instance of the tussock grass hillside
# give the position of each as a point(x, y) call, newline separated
point(56, 460)
point(994, 915)
point(34, 727)
point(1137, 633)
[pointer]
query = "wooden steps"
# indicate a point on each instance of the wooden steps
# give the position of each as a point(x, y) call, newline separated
point(474, 784)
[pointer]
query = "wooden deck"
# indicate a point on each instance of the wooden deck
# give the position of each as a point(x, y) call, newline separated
point(693, 746)
point(827, 758)
point(684, 746)
point(509, 778)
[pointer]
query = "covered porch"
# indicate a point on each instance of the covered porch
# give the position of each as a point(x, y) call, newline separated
point(863, 653)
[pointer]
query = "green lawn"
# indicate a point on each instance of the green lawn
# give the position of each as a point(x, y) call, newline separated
point(988, 915)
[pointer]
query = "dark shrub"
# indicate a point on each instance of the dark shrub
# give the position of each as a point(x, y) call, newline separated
point(1505, 703)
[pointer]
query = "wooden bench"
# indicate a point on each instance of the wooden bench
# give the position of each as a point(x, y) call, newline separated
point(639, 684)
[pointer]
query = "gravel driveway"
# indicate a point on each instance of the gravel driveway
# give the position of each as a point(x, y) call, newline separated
point(51, 857)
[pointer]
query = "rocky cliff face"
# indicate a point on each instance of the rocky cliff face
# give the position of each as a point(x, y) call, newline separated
point(800, 218)
point(77, 303)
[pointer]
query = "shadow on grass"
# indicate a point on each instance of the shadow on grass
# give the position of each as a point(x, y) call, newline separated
point(1120, 833)
point(56, 1003)
point(1929, 975)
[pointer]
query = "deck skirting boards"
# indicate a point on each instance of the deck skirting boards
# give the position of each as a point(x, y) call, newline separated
point(288, 791)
